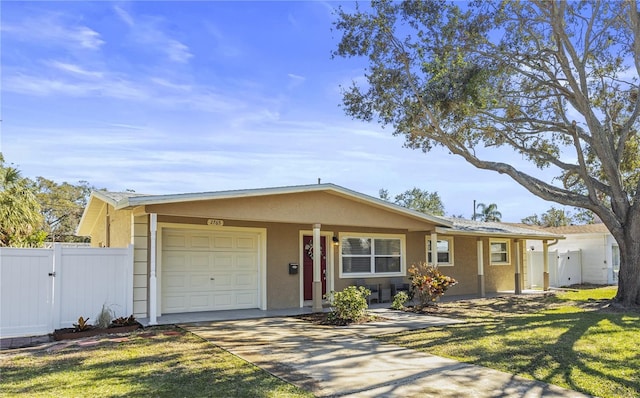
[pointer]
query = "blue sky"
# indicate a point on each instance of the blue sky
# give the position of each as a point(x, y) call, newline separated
point(175, 96)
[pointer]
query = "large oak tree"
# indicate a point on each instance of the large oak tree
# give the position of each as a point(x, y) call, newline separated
point(554, 81)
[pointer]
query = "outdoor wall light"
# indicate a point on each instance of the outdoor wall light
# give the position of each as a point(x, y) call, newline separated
point(335, 240)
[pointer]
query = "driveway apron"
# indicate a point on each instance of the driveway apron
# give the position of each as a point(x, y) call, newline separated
point(341, 362)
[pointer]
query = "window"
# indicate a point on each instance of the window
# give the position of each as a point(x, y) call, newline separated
point(500, 251)
point(371, 255)
point(445, 251)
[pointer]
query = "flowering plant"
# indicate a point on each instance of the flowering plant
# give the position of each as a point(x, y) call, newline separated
point(428, 283)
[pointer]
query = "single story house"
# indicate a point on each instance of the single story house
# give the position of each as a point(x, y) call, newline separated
point(588, 254)
point(258, 248)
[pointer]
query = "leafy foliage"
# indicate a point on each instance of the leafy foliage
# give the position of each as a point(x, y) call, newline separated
point(488, 213)
point(555, 82)
point(559, 218)
point(104, 317)
point(417, 199)
point(399, 300)
point(428, 284)
point(62, 206)
point(124, 321)
point(349, 305)
point(19, 209)
point(82, 325)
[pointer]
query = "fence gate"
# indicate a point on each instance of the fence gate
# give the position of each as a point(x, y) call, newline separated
point(26, 294)
point(569, 268)
point(45, 289)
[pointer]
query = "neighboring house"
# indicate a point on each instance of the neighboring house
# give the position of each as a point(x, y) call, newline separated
point(588, 254)
point(257, 248)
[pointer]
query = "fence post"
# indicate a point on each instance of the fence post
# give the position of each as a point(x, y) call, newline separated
point(57, 270)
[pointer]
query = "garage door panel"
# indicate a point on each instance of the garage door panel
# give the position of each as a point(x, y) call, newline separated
point(223, 243)
point(174, 261)
point(174, 303)
point(209, 270)
point(174, 282)
point(200, 282)
point(199, 261)
point(222, 261)
point(200, 242)
point(246, 299)
point(246, 261)
point(173, 241)
point(199, 302)
point(246, 281)
point(246, 243)
point(223, 282)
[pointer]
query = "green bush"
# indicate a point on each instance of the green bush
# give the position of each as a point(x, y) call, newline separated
point(428, 284)
point(399, 300)
point(349, 305)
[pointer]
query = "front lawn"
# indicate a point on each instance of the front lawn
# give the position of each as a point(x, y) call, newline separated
point(570, 339)
point(153, 363)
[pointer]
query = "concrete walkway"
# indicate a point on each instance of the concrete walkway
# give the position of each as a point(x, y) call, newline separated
point(347, 362)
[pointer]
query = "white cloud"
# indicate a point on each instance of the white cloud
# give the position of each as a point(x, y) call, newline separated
point(178, 52)
point(74, 69)
point(53, 29)
point(124, 16)
point(148, 30)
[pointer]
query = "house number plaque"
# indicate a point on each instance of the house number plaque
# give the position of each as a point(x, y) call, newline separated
point(218, 223)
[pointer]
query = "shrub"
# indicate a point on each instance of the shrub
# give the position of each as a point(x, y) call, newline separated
point(124, 321)
point(349, 305)
point(104, 317)
point(82, 325)
point(428, 284)
point(399, 300)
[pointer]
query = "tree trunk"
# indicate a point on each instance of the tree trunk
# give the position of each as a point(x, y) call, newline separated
point(629, 277)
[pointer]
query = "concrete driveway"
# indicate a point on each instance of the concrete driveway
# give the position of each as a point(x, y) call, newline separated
point(337, 362)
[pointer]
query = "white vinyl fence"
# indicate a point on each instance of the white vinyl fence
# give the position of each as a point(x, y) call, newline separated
point(565, 268)
point(46, 289)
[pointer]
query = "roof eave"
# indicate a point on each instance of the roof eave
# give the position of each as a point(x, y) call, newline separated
point(511, 235)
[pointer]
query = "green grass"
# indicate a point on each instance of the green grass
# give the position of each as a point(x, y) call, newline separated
point(567, 340)
point(153, 366)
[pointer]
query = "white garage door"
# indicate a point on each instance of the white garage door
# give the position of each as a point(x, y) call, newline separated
point(205, 270)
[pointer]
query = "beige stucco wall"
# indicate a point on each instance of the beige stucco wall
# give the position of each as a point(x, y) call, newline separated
point(112, 228)
point(305, 208)
point(465, 266)
point(99, 232)
point(499, 277)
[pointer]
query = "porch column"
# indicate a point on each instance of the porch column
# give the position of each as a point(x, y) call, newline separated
point(153, 280)
point(317, 271)
point(481, 292)
point(434, 249)
point(545, 262)
point(518, 284)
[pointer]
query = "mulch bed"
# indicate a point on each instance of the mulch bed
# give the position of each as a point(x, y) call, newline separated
point(324, 318)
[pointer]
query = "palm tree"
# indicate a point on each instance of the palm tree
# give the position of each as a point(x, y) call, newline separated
point(488, 213)
point(20, 215)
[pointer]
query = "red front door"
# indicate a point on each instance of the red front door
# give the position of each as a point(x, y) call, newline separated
point(307, 263)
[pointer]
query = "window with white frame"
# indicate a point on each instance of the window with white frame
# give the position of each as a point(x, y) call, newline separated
point(500, 253)
point(371, 255)
point(445, 251)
